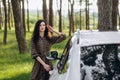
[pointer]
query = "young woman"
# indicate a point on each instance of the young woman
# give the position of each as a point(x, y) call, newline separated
point(41, 42)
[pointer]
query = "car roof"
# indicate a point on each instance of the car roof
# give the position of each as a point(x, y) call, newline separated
point(94, 37)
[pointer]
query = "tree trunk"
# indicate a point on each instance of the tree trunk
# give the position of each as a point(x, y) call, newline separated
point(19, 30)
point(28, 17)
point(37, 14)
point(12, 22)
point(72, 16)
point(87, 14)
point(69, 18)
point(23, 16)
point(104, 13)
point(9, 15)
point(80, 15)
point(5, 29)
point(114, 14)
point(45, 12)
point(94, 20)
point(0, 17)
point(60, 17)
point(106, 23)
point(50, 13)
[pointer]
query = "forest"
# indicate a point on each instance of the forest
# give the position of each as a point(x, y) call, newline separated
point(17, 21)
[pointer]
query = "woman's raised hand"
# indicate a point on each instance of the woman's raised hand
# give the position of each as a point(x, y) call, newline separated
point(50, 28)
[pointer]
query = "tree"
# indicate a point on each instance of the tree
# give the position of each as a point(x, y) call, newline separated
point(9, 15)
point(19, 30)
point(28, 17)
point(80, 14)
point(0, 16)
point(106, 22)
point(87, 14)
point(114, 14)
point(23, 16)
point(60, 16)
point(37, 13)
point(5, 29)
point(51, 12)
point(71, 16)
point(104, 15)
point(45, 12)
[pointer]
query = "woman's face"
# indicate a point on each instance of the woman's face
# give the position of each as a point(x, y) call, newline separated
point(42, 27)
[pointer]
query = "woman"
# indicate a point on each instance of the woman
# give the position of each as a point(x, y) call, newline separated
point(41, 42)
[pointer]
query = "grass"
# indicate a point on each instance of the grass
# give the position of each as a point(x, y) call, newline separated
point(15, 66)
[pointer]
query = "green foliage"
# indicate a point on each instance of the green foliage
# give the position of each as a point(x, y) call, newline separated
point(13, 66)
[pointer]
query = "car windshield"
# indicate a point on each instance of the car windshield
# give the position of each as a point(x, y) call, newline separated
point(100, 62)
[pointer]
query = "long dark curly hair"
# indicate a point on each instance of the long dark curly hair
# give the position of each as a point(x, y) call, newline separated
point(35, 35)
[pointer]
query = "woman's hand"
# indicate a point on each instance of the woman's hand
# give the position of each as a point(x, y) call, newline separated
point(47, 67)
point(50, 28)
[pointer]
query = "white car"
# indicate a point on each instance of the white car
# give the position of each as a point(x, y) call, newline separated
point(90, 55)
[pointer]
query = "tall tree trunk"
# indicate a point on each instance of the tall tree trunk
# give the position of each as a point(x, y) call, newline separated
point(93, 20)
point(45, 12)
point(72, 16)
point(23, 16)
point(87, 14)
point(114, 14)
point(9, 14)
point(19, 30)
point(69, 17)
point(60, 17)
point(28, 27)
point(105, 23)
point(12, 22)
point(104, 13)
point(37, 14)
point(80, 15)
point(5, 29)
point(51, 13)
point(0, 16)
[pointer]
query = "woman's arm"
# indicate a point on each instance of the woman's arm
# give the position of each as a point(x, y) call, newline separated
point(46, 66)
point(56, 39)
point(52, 30)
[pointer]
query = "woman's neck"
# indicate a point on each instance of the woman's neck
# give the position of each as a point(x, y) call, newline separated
point(41, 34)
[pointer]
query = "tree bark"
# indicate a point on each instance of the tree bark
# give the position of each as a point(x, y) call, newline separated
point(69, 18)
point(9, 15)
point(114, 14)
point(87, 14)
point(0, 17)
point(28, 17)
point(45, 12)
point(60, 17)
point(72, 16)
point(37, 14)
point(23, 16)
point(105, 14)
point(80, 15)
point(51, 13)
point(19, 30)
point(106, 23)
point(5, 29)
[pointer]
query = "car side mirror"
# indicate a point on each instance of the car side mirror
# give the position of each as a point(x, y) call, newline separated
point(52, 55)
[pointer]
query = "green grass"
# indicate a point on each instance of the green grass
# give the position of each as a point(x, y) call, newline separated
point(15, 66)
